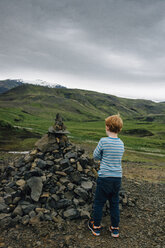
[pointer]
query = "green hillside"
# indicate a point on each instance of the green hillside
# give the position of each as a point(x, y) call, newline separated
point(14, 137)
point(74, 104)
point(35, 107)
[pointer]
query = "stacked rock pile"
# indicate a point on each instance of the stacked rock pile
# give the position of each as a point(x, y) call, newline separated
point(54, 181)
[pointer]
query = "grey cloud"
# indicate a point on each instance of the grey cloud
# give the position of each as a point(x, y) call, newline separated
point(108, 40)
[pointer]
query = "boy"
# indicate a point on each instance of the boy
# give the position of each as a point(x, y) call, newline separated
point(109, 151)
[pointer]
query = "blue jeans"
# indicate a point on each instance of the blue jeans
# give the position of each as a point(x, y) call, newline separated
point(107, 189)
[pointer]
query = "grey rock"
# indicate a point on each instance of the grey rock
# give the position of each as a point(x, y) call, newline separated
point(35, 183)
point(64, 180)
point(3, 208)
point(72, 160)
point(83, 161)
point(69, 195)
point(40, 155)
point(41, 163)
point(24, 203)
point(18, 211)
point(8, 199)
point(9, 190)
point(49, 163)
point(33, 173)
point(68, 170)
point(81, 202)
point(28, 158)
point(21, 183)
point(84, 214)
point(16, 200)
point(70, 155)
point(75, 177)
point(32, 214)
point(63, 203)
point(8, 170)
point(81, 193)
point(87, 185)
point(11, 184)
point(51, 158)
point(47, 143)
point(55, 197)
point(28, 208)
point(52, 203)
point(64, 163)
point(70, 186)
point(71, 213)
point(76, 201)
point(57, 154)
point(19, 162)
point(56, 167)
point(47, 217)
point(79, 167)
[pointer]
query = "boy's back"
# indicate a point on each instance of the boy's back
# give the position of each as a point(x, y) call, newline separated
point(110, 151)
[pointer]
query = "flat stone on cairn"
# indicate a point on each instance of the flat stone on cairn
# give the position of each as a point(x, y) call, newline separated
point(54, 182)
point(55, 137)
point(58, 127)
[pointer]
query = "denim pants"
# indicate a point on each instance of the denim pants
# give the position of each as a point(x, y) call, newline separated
point(107, 189)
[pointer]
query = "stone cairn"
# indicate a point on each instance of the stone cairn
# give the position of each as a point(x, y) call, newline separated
point(54, 181)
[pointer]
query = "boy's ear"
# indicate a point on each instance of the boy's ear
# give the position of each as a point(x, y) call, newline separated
point(107, 128)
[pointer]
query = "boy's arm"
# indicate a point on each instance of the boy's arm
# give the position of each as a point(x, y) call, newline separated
point(97, 154)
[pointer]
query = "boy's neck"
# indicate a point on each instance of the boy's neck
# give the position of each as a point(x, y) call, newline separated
point(111, 134)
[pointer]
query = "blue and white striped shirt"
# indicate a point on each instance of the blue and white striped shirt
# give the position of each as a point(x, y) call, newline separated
point(109, 151)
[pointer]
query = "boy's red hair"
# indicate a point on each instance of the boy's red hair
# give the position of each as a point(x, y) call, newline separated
point(114, 123)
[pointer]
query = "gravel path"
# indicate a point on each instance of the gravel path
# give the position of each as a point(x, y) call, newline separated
point(141, 226)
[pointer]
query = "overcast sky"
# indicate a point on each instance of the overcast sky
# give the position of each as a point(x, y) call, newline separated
point(111, 46)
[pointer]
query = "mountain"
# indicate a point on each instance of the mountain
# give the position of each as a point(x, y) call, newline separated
point(8, 84)
point(74, 104)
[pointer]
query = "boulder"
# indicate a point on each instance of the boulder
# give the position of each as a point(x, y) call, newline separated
point(35, 184)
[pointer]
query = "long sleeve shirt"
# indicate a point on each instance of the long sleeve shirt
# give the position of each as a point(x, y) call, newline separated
point(109, 151)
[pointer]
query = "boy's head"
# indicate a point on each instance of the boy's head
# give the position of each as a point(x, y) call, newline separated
point(114, 123)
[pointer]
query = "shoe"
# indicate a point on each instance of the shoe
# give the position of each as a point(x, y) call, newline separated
point(95, 229)
point(114, 231)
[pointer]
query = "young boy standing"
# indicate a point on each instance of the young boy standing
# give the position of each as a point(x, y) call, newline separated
point(109, 151)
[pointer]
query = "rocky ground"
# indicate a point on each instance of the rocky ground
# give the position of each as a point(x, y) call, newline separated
point(142, 225)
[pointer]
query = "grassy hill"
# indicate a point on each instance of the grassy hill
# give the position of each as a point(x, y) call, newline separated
point(75, 104)
point(14, 137)
point(83, 111)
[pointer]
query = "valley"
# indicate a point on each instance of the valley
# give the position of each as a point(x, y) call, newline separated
point(27, 111)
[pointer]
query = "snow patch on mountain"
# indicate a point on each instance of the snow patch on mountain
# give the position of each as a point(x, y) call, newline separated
point(43, 83)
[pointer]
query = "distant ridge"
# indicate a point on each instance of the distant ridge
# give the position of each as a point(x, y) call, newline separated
point(8, 84)
point(43, 83)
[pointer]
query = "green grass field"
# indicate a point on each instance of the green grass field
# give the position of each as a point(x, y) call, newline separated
point(91, 132)
point(144, 156)
point(134, 133)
